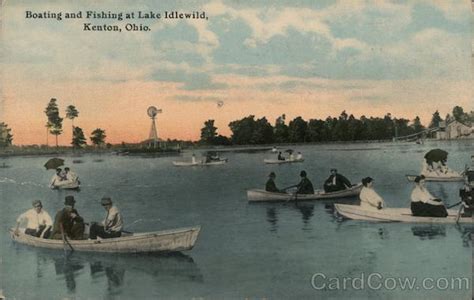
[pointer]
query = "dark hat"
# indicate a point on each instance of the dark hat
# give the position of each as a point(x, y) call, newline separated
point(35, 203)
point(58, 169)
point(366, 180)
point(333, 169)
point(106, 201)
point(69, 200)
point(303, 173)
point(272, 174)
point(67, 169)
point(419, 178)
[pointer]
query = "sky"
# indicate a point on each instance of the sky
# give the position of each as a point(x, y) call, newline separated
point(300, 58)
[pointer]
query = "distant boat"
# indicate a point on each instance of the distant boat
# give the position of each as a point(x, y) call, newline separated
point(173, 240)
point(222, 161)
point(258, 195)
point(67, 185)
point(286, 161)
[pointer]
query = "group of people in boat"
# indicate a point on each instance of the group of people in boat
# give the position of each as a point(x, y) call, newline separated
point(63, 177)
point(68, 224)
point(335, 182)
point(290, 157)
point(423, 203)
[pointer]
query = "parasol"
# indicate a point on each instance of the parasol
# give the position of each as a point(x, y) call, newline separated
point(54, 163)
point(436, 155)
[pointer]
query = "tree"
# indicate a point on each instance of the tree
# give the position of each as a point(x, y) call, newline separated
point(6, 138)
point(242, 130)
point(78, 138)
point(54, 120)
point(435, 120)
point(98, 137)
point(72, 113)
point(280, 131)
point(458, 113)
point(263, 132)
point(208, 133)
point(297, 130)
point(417, 125)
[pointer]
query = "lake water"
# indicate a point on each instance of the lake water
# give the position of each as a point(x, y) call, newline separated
point(255, 251)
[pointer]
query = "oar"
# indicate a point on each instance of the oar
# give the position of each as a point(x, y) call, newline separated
point(65, 241)
point(455, 204)
point(459, 214)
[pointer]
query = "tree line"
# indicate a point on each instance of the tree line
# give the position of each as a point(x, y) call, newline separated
point(251, 130)
point(54, 126)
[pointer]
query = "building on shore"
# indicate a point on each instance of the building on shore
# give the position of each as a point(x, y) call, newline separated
point(454, 130)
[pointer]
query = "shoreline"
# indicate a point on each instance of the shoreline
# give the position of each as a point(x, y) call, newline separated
point(68, 151)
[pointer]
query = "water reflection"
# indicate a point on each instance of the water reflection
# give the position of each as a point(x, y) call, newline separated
point(272, 218)
point(429, 232)
point(113, 269)
point(307, 212)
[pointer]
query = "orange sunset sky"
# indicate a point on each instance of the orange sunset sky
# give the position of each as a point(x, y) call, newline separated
point(300, 59)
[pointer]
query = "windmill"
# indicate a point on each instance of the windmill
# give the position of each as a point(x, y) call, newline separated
point(152, 112)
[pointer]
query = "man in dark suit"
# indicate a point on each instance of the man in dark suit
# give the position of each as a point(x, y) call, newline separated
point(336, 182)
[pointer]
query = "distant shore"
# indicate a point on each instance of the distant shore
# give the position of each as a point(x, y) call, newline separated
point(68, 151)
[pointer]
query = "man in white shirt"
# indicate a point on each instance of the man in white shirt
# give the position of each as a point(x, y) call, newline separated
point(423, 204)
point(38, 221)
point(112, 225)
point(368, 197)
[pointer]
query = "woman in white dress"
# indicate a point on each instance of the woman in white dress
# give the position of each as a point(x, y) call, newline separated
point(423, 204)
point(368, 197)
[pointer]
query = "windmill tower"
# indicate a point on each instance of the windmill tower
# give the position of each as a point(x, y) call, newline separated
point(153, 137)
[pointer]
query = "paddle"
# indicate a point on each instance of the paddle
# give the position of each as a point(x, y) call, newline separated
point(459, 214)
point(455, 204)
point(65, 241)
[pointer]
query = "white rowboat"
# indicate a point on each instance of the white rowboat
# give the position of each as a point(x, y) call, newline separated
point(199, 163)
point(286, 161)
point(258, 195)
point(403, 215)
point(452, 178)
point(173, 240)
point(67, 185)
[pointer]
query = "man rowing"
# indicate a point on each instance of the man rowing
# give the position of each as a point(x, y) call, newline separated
point(336, 182)
point(368, 196)
point(111, 226)
point(67, 222)
point(305, 186)
point(270, 186)
point(38, 221)
point(280, 157)
point(423, 204)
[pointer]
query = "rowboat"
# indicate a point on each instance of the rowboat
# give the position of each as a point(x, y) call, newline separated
point(173, 240)
point(450, 178)
point(403, 215)
point(286, 161)
point(258, 195)
point(199, 163)
point(66, 185)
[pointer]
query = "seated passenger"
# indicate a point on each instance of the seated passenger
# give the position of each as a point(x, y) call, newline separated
point(111, 226)
point(299, 156)
point(270, 186)
point(368, 197)
point(336, 182)
point(57, 178)
point(38, 221)
point(68, 223)
point(423, 204)
point(305, 186)
point(280, 157)
point(70, 175)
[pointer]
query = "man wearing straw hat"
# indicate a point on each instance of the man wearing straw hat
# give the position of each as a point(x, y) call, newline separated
point(112, 225)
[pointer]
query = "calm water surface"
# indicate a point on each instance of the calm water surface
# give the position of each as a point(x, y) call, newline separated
point(244, 250)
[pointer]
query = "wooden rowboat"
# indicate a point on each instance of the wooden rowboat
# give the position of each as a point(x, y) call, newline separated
point(173, 240)
point(258, 195)
point(451, 178)
point(286, 161)
point(199, 163)
point(403, 215)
